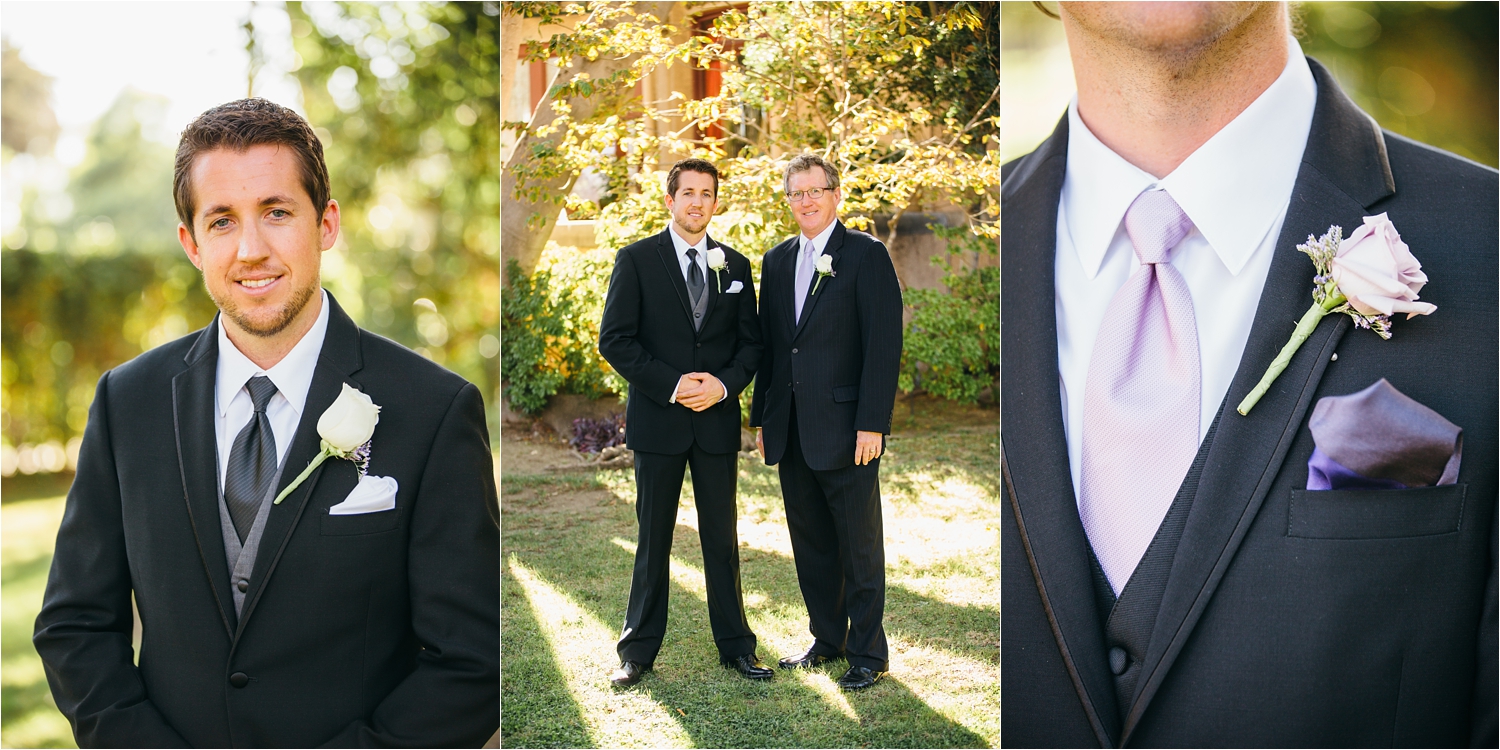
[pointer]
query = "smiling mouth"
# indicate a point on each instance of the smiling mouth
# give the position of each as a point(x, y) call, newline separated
point(257, 283)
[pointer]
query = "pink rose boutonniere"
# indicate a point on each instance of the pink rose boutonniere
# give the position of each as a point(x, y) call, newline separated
point(1369, 277)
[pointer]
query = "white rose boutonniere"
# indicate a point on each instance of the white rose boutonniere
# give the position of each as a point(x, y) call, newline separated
point(716, 264)
point(823, 264)
point(345, 429)
point(1369, 277)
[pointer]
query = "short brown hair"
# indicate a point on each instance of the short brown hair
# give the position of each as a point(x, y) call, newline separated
point(805, 163)
point(700, 166)
point(239, 125)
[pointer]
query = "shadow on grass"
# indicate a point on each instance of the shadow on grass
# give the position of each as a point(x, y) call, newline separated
point(714, 706)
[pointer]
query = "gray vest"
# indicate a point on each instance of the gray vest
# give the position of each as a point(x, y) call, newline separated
point(241, 557)
point(700, 310)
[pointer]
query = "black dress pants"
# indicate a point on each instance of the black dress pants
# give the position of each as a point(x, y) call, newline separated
point(838, 543)
point(658, 487)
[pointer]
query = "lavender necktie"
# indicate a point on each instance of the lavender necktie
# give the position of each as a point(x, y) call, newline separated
point(804, 277)
point(1142, 395)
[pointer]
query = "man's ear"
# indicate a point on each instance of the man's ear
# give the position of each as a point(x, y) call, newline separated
point(329, 226)
point(185, 238)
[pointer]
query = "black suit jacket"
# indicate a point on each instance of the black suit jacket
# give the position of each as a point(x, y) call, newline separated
point(1288, 618)
point(647, 335)
point(842, 359)
point(363, 630)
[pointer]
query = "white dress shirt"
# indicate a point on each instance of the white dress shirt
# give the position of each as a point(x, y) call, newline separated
point(681, 246)
point(293, 375)
point(1235, 189)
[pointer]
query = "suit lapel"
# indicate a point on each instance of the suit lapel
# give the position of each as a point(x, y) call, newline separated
point(197, 460)
point(668, 254)
point(1034, 451)
point(712, 283)
point(340, 358)
point(832, 249)
point(1344, 172)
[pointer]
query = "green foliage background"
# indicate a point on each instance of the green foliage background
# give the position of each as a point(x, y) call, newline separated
point(413, 157)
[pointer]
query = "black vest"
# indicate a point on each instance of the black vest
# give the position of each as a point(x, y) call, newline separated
point(1131, 617)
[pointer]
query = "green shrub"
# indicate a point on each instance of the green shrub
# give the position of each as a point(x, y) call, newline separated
point(549, 322)
point(955, 334)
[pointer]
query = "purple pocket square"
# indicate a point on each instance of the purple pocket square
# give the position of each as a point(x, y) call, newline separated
point(1380, 438)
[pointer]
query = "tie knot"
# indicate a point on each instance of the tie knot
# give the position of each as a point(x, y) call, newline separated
point(261, 390)
point(692, 254)
point(1155, 224)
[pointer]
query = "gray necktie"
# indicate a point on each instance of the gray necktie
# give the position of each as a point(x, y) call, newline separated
point(804, 277)
point(695, 275)
point(252, 460)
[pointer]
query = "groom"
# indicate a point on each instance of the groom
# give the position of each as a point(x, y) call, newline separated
point(330, 617)
point(1176, 573)
point(679, 324)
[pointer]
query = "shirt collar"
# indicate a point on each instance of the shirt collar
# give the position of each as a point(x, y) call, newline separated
point(681, 246)
point(821, 241)
point(1233, 188)
point(292, 375)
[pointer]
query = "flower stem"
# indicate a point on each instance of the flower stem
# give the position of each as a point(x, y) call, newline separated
point(1300, 334)
point(321, 457)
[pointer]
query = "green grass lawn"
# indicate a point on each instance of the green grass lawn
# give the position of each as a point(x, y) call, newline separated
point(28, 718)
point(567, 546)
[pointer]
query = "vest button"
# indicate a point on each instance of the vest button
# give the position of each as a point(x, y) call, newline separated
point(1118, 660)
point(239, 679)
point(243, 585)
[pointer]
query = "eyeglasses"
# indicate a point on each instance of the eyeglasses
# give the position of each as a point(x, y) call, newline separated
point(815, 194)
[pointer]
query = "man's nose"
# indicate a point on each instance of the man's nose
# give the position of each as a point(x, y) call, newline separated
point(252, 247)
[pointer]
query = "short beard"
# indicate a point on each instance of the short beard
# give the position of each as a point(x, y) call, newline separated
point(682, 225)
point(289, 313)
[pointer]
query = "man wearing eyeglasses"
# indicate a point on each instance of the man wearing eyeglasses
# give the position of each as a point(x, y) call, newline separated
point(831, 323)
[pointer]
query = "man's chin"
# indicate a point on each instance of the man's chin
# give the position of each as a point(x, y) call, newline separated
point(267, 321)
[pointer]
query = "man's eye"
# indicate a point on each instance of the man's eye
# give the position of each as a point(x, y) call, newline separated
point(279, 213)
point(219, 223)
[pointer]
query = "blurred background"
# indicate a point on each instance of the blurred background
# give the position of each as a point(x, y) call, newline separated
point(404, 97)
point(1426, 70)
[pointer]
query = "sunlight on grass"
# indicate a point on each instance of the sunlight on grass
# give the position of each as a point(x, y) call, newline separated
point(28, 717)
point(825, 686)
point(583, 648)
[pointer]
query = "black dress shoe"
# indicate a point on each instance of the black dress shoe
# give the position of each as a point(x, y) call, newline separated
point(629, 674)
point(748, 666)
point(807, 660)
point(859, 678)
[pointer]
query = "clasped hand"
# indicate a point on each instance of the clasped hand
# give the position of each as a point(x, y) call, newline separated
point(699, 390)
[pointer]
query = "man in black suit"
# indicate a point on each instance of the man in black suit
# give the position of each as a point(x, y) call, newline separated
point(1263, 612)
point(822, 408)
point(336, 617)
point(680, 325)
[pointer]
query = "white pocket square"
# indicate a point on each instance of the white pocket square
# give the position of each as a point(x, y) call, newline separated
point(735, 287)
point(371, 495)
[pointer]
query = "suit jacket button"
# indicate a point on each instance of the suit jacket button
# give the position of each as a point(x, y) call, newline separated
point(794, 350)
point(700, 346)
point(239, 679)
point(243, 585)
point(1118, 660)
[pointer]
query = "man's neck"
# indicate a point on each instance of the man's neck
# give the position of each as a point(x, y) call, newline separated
point(267, 351)
point(1156, 108)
